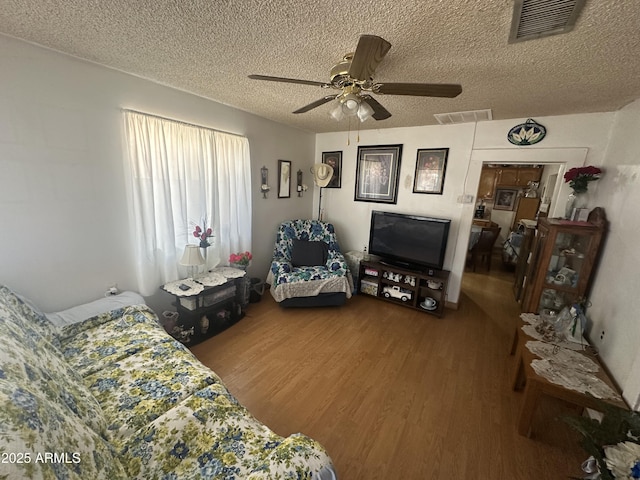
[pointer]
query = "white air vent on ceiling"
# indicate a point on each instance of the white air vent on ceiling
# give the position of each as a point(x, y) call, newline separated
point(540, 18)
point(463, 117)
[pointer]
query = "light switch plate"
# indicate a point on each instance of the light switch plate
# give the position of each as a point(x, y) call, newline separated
point(465, 198)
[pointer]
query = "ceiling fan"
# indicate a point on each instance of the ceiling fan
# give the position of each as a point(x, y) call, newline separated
point(353, 76)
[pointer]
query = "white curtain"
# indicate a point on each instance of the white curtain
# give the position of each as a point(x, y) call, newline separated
point(182, 176)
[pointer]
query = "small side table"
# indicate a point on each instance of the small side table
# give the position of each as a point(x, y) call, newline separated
point(535, 386)
point(207, 304)
point(353, 259)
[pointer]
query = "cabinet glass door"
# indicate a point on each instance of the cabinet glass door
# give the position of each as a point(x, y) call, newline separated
point(565, 265)
point(564, 270)
point(561, 263)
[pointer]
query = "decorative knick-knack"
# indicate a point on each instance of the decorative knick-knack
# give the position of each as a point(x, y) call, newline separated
point(575, 200)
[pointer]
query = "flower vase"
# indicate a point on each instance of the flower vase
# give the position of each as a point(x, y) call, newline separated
point(575, 200)
point(239, 266)
point(204, 255)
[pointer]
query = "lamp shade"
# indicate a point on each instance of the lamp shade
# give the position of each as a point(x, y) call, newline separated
point(364, 111)
point(336, 113)
point(350, 104)
point(192, 256)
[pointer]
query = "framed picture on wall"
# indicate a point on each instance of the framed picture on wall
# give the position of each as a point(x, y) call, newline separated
point(334, 159)
point(431, 165)
point(377, 173)
point(505, 198)
point(284, 179)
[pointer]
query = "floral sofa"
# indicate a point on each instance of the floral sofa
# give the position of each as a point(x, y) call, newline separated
point(312, 277)
point(115, 397)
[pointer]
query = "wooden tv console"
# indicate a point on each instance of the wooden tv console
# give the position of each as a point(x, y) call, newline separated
point(404, 286)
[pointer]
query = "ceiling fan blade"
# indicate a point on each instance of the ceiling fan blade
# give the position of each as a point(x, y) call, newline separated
point(379, 112)
point(448, 90)
point(288, 80)
point(369, 53)
point(315, 104)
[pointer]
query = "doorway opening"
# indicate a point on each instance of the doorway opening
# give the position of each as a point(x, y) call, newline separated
point(510, 198)
point(555, 160)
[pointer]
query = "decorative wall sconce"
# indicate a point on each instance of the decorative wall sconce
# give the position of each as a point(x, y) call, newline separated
point(301, 188)
point(264, 185)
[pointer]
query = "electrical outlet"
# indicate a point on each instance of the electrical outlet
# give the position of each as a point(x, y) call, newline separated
point(601, 335)
point(113, 289)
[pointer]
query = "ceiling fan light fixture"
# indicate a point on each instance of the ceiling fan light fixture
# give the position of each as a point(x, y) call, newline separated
point(336, 113)
point(350, 104)
point(365, 111)
point(354, 78)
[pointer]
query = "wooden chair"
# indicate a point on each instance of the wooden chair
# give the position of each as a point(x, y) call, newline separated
point(482, 250)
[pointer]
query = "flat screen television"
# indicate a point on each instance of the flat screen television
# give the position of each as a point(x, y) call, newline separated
point(411, 241)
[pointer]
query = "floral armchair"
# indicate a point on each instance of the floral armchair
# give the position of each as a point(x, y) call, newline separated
point(308, 268)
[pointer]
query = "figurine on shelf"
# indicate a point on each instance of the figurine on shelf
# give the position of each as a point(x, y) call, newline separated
point(204, 324)
point(532, 189)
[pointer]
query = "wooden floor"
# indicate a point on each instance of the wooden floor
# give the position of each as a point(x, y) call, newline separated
point(393, 393)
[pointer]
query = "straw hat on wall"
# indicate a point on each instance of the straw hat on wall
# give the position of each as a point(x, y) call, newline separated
point(322, 174)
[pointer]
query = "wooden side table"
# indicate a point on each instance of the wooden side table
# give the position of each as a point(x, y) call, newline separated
point(535, 386)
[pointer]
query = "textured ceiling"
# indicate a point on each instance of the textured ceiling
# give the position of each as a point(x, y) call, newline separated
point(208, 47)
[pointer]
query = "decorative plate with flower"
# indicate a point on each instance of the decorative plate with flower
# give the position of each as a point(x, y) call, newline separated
point(527, 133)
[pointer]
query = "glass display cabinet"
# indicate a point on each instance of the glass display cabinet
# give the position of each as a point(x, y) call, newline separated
point(561, 262)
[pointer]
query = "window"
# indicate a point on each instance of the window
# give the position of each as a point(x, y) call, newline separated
point(182, 175)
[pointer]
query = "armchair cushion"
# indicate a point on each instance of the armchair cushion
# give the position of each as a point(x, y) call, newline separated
point(306, 253)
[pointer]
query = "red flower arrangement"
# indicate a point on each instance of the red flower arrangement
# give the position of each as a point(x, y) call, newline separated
point(243, 259)
point(204, 234)
point(580, 177)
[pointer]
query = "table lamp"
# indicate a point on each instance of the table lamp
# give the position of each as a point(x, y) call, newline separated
point(192, 258)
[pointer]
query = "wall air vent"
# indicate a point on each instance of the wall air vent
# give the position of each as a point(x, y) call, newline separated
point(463, 117)
point(540, 18)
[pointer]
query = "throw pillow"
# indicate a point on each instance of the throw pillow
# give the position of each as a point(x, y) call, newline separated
point(309, 254)
point(82, 312)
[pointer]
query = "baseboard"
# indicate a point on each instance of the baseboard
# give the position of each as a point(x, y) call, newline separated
point(451, 305)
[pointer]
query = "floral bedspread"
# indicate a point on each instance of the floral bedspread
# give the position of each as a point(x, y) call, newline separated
point(115, 397)
point(50, 424)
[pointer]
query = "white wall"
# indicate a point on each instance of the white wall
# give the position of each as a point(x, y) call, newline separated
point(64, 231)
point(352, 219)
point(616, 291)
point(571, 140)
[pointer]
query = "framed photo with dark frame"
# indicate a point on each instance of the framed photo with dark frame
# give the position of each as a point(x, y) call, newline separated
point(334, 159)
point(377, 173)
point(431, 165)
point(505, 198)
point(284, 179)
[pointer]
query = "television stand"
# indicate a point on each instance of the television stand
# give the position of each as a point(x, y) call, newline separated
point(409, 268)
point(404, 286)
